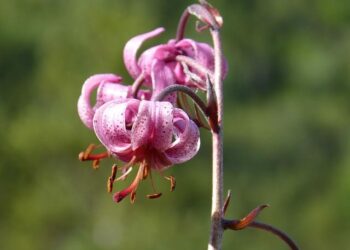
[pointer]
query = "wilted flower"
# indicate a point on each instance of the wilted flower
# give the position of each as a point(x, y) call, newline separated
point(160, 66)
point(109, 88)
point(154, 134)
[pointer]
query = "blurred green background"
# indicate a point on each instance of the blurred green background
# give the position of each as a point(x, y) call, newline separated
point(287, 127)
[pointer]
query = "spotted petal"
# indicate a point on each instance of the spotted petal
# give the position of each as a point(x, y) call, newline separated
point(131, 48)
point(142, 128)
point(110, 91)
point(163, 125)
point(110, 123)
point(86, 112)
point(187, 142)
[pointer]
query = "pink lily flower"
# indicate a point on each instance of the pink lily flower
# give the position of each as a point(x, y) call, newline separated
point(109, 88)
point(159, 64)
point(154, 134)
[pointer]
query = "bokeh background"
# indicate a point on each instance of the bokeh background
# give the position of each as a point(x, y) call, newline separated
point(287, 127)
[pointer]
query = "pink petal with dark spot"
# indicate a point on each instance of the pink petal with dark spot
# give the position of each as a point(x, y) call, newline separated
point(142, 128)
point(187, 142)
point(163, 126)
point(110, 125)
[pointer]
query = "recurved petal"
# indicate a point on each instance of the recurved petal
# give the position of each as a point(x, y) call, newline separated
point(163, 125)
point(108, 91)
point(85, 110)
point(141, 131)
point(131, 48)
point(110, 125)
point(187, 142)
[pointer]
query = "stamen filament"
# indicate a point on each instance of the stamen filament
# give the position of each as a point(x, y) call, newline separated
point(119, 196)
point(123, 176)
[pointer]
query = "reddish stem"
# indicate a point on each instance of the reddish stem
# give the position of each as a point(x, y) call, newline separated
point(216, 232)
point(282, 235)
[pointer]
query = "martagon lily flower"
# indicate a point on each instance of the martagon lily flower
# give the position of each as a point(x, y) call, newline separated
point(159, 64)
point(154, 134)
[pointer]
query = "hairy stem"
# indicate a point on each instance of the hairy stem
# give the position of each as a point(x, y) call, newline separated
point(216, 232)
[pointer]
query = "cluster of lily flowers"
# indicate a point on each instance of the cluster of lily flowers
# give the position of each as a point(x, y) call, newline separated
point(131, 122)
point(150, 124)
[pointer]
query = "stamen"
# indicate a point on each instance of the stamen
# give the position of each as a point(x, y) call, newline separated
point(95, 158)
point(133, 197)
point(119, 196)
point(109, 185)
point(154, 196)
point(111, 179)
point(127, 168)
point(95, 164)
point(145, 173)
point(172, 182)
point(88, 150)
point(114, 171)
point(123, 176)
